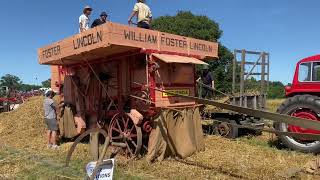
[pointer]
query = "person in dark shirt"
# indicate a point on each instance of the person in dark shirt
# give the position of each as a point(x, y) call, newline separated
point(207, 79)
point(101, 20)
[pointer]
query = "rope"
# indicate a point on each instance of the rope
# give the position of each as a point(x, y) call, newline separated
point(213, 89)
point(294, 120)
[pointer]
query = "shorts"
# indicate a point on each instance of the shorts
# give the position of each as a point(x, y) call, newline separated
point(144, 25)
point(52, 124)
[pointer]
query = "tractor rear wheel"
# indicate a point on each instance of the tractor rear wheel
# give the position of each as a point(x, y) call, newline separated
point(302, 106)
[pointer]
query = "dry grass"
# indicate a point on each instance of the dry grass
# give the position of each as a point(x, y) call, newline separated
point(273, 104)
point(23, 153)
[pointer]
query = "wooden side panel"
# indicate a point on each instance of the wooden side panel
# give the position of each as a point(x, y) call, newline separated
point(202, 48)
point(54, 78)
point(173, 43)
point(175, 73)
point(169, 101)
point(112, 37)
point(133, 37)
point(80, 43)
point(178, 78)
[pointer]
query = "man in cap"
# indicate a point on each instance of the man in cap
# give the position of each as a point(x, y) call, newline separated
point(143, 13)
point(84, 19)
point(101, 20)
point(50, 118)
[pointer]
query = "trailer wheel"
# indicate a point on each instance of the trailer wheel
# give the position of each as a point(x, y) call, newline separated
point(123, 130)
point(226, 129)
point(302, 106)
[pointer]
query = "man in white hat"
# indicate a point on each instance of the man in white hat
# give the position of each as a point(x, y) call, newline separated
point(84, 19)
point(143, 13)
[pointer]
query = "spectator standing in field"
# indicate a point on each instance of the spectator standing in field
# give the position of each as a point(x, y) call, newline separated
point(50, 119)
point(101, 20)
point(143, 13)
point(84, 19)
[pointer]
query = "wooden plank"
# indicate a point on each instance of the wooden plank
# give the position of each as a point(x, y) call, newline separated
point(54, 77)
point(249, 52)
point(234, 68)
point(242, 71)
point(254, 74)
point(263, 82)
point(252, 63)
point(94, 146)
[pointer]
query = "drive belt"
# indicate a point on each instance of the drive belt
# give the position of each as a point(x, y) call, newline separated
point(304, 123)
point(305, 136)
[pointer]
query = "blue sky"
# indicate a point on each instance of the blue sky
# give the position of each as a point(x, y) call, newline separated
point(287, 29)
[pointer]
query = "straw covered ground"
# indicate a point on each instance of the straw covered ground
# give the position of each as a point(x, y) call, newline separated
point(23, 154)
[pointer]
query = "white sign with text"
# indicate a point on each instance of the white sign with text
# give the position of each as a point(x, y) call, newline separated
point(106, 172)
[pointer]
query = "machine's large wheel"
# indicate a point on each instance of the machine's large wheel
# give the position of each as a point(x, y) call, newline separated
point(82, 136)
point(302, 106)
point(123, 130)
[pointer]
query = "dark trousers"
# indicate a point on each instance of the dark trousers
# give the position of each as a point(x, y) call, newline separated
point(143, 25)
point(207, 93)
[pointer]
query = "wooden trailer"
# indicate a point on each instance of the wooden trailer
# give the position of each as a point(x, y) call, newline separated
point(107, 78)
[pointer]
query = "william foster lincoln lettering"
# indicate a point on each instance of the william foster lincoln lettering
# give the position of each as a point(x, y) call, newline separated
point(200, 47)
point(182, 43)
point(140, 37)
point(87, 40)
point(174, 42)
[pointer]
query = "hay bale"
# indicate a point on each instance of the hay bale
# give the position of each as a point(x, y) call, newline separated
point(24, 127)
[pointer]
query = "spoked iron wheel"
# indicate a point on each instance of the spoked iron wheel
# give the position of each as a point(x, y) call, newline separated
point(123, 130)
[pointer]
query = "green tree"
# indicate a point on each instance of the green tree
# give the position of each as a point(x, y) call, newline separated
point(276, 90)
point(185, 23)
point(28, 87)
point(46, 83)
point(11, 81)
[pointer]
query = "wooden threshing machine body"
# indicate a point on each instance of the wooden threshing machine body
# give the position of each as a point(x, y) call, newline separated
point(114, 68)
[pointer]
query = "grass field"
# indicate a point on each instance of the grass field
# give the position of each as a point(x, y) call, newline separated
point(23, 155)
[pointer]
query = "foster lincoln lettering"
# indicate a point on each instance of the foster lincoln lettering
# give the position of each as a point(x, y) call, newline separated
point(54, 51)
point(200, 47)
point(87, 40)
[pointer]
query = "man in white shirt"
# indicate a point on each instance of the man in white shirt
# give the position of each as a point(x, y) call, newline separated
point(84, 19)
point(143, 13)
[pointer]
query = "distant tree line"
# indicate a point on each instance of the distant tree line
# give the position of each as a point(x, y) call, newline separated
point(14, 83)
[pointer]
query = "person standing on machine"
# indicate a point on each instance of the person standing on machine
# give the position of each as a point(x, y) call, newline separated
point(101, 20)
point(143, 13)
point(84, 19)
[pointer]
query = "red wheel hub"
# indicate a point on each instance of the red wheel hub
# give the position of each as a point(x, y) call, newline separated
point(306, 114)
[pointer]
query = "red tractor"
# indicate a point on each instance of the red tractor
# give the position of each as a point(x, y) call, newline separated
point(303, 101)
